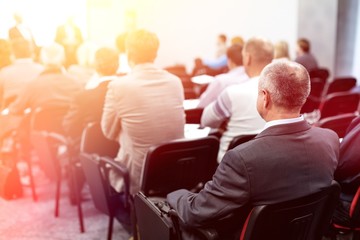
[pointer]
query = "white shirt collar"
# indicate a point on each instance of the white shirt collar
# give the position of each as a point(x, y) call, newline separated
point(283, 121)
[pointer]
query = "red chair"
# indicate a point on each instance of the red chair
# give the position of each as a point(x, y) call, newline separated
point(339, 103)
point(338, 124)
point(354, 214)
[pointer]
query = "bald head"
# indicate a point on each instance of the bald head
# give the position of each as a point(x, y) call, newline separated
point(287, 83)
point(257, 53)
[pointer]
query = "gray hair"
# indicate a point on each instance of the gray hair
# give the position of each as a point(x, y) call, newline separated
point(288, 83)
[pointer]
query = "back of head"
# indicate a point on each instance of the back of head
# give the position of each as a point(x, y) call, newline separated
point(234, 53)
point(106, 61)
point(281, 50)
point(52, 55)
point(237, 40)
point(257, 53)
point(304, 44)
point(21, 48)
point(222, 38)
point(288, 84)
point(141, 47)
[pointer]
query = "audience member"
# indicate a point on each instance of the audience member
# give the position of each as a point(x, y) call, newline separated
point(348, 172)
point(281, 50)
point(70, 37)
point(220, 60)
point(212, 66)
point(15, 77)
point(5, 53)
point(143, 108)
point(87, 106)
point(303, 55)
point(123, 62)
point(272, 167)
point(238, 102)
point(237, 40)
point(84, 70)
point(22, 31)
point(234, 76)
point(53, 87)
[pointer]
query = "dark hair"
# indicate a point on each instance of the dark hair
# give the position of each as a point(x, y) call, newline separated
point(234, 53)
point(304, 44)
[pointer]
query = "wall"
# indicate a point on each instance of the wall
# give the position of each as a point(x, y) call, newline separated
point(317, 21)
point(188, 29)
point(346, 36)
point(356, 61)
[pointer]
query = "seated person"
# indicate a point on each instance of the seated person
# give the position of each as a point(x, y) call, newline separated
point(304, 56)
point(238, 102)
point(87, 106)
point(272, 167)
point(348, 172)
point(143, 108)
point(235, 75)
point(213, 66)
point(53, 88)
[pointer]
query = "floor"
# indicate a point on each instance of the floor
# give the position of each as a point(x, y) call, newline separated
point(24, 219)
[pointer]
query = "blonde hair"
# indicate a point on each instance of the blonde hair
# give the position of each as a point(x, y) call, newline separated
point(281, 50)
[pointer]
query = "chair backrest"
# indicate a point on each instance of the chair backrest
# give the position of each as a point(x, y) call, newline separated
point(339, 103)
point(239, 140)
point(193, 115)
point(305, 218)
point(322, 73)
point(317, 87)
point(183, 163)
point(94, 141)
point(48, 119)
point(95, 177)
point(338, 124)
point(342, 84)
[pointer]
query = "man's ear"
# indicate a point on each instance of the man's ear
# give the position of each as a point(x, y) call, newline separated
point(246, 59)
point(266, 99)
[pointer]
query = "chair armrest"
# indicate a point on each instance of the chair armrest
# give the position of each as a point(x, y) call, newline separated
point(118, 167)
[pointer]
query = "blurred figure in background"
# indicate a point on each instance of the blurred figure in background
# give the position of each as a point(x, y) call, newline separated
point(123, 62)
point(5, 53)
point(213, 66)
point(235, 75)
point(84, 70)
point(303, 55)
point(70, 37)
point(237, 40)
point(52, 88)
point(281, 50)
point(22, 31)
point(87, 106)
point(15, 77)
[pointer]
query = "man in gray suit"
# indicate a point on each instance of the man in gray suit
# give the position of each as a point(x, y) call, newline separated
point(288, 159)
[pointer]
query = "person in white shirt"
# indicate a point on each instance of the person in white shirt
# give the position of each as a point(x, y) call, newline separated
point(237, 103)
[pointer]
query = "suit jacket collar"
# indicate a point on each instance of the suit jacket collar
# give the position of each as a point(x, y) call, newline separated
point(284, 129)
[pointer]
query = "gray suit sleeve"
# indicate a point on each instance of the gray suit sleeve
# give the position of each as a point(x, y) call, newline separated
point(110, 124)
point(228, 191)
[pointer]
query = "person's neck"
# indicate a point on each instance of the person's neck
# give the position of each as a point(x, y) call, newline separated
point(281, 115)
